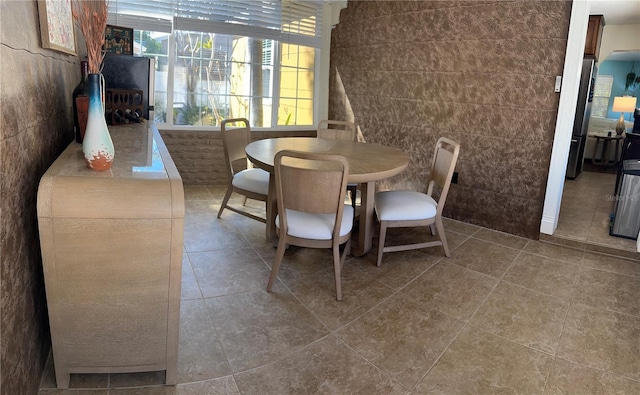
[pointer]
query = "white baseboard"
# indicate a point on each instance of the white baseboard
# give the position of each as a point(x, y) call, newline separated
point(548, 225)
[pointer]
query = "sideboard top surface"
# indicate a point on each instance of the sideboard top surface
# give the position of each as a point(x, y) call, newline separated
point(136, 155)
point(143, 181)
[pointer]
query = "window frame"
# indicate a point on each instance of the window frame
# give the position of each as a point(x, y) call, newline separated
point(320, 67)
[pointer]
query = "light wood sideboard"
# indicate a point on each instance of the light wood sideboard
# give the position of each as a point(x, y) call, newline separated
point(112, 245)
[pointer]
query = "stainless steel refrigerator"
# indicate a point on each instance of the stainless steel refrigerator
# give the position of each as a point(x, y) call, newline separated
point(581, 121)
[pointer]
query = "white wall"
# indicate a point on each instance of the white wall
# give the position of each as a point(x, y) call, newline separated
point(619, 38)
point(566, 113)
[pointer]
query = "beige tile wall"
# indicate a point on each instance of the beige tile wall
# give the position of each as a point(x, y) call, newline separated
point(479, 72)
point(199, 155)
point(35, 126)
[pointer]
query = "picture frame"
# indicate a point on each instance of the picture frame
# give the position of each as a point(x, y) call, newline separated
point(118, 40)
point(57, 29)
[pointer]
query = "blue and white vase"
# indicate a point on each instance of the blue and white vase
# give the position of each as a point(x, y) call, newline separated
point(97, 145)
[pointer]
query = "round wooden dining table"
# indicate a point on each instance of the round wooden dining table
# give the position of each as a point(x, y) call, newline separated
point(368, 163)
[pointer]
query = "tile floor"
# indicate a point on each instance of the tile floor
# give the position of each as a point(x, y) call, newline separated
point(587, 203)
point(501, 315)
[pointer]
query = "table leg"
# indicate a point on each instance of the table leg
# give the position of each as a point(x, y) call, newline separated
point(366, 223)
point(605, 152)
point(595, 151)
point(272, 211)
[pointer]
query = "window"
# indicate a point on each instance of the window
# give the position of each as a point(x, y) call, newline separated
point(202, 78)
point(296, 85)
point(155, 45)
point(234, 58)
point(601, 95)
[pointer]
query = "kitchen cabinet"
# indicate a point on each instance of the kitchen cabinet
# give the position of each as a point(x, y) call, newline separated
point(112, 245)
point(594, 36)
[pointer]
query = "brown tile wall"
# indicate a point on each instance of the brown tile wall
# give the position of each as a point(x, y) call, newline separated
point(35, 126)
point(479, 72)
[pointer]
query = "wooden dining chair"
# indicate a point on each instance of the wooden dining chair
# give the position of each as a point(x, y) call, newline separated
point(411, 208)
point(310, 190)
point(243, 179)
point(340, 130)
point(336, 130)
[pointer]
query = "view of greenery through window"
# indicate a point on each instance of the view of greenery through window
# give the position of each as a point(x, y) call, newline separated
point(155, 45)
point(218, 77)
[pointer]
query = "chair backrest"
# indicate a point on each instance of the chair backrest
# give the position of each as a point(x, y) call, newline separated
point(336, 130)
point(234, 139)
point(312, 183)
point(443, 164)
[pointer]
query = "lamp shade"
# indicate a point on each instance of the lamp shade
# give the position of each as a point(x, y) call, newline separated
point(624, 104)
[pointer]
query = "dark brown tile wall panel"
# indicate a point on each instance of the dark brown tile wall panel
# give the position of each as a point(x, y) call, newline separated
point(479, 72)
point(35, 126)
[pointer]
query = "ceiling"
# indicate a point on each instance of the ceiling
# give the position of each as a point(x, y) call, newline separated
point(618, 12)
point(624, 56)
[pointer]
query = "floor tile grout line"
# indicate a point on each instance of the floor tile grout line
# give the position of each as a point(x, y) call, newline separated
point(468, 323)
point(284, 356)
point(606, 310)
point(396, 291)
point(572, 303)
point(233, 373)
point(437, 359)
point(215, 330)
point(608, 372)
point(379, 369)
point(314, 315)
point(194, 276)
point(566, 316)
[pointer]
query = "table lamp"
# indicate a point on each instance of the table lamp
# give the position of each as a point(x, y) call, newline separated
point(623, 104)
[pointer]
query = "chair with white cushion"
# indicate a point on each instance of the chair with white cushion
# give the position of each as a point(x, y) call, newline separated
point(411, 208)
point(251, 182)
point(310, 190)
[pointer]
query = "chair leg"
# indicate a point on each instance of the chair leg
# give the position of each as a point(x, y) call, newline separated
point(353, 192)
point(382, 236)
point(443, 236)
point(347, 251)
point(337, 266)
point(225, 200)
point(282, 246)
point(432, 229)
point(244, 201)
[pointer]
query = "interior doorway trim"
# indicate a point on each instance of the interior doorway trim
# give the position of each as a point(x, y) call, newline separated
point(566, 114)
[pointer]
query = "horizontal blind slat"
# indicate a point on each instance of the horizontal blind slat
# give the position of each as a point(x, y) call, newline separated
point(292, 21)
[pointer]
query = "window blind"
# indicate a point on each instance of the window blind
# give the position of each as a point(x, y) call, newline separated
point(153, 15)
point(601, 95)
point(292, 21)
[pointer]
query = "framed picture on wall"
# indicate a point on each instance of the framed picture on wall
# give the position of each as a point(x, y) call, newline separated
point(56, 25)
point(118, 40)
